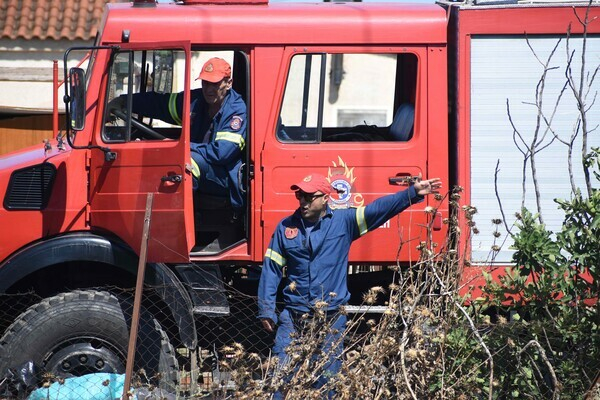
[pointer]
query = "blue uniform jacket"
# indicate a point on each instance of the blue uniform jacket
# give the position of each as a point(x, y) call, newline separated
point(318, 264)
point(224, 145)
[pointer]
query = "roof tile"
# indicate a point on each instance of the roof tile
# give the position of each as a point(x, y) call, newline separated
point(50, 19)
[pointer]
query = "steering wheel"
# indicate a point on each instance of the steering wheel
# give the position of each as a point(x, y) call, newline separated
point(146, 130)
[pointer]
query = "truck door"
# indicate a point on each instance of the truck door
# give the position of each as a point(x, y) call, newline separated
point(150, 156)
point(359, 117)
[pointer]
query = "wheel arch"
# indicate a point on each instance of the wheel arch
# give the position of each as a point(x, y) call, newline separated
point(90, 249)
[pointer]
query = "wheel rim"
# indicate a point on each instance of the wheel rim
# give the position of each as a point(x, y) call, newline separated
point(84, 355)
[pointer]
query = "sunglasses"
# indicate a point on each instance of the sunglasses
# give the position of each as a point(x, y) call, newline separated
point(308, 197)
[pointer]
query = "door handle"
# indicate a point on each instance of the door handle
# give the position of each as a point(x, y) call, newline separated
point(403, 179)
point(172, 178)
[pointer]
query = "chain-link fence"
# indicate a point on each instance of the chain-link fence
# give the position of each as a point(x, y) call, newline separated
point(397, 344)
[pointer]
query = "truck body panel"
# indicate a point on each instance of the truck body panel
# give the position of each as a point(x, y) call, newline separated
point(498, 72)
point(457, 150)
point(275, 24)
point(24, 220)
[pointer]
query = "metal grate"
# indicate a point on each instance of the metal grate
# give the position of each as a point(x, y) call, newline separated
point(29, 188)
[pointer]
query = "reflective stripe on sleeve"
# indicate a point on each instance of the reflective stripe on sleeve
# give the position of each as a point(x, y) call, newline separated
point(360, 220)
point(275, 257)
point(231, 137)
point(173, 108)
point(195, 169)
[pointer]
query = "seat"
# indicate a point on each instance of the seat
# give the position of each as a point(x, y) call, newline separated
point(401, 129)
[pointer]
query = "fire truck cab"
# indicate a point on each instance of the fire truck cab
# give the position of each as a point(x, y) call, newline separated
point(355, 92)
point(351, 103)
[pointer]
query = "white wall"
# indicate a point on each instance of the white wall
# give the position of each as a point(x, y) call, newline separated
point(26, 74)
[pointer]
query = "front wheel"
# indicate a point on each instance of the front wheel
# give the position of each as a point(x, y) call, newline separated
point(82, 332)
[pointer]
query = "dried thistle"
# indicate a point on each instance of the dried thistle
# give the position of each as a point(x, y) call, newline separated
point(321, 304)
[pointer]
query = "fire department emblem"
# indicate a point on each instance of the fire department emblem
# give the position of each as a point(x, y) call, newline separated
point(342, 179)
point(291, 232)
point(236, 123)
point(209, 68)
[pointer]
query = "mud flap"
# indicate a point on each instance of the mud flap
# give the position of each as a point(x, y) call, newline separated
point(207, 291)
point(172, 291)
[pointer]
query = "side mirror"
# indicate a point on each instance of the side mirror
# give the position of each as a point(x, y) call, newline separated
point(77, 98)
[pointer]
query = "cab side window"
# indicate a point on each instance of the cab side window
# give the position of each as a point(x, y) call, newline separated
point(349, 97)
point(136, 72)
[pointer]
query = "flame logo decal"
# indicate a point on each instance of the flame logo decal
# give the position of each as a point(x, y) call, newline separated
point(342, 178)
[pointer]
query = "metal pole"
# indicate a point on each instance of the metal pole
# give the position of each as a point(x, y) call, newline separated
point(55, 98)
point(139, 288)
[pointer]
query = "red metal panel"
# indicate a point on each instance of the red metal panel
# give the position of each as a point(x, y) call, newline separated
point(290, 23)
point(222, 2)
point(66, 207)
point(519, 19)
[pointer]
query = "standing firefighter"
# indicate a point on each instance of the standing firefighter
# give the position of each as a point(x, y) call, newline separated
point(313, 245)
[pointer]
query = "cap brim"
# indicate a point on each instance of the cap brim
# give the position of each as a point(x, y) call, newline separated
point(305, 189)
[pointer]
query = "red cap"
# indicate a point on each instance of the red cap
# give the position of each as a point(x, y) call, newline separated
point(313, 183)
point(215, 70)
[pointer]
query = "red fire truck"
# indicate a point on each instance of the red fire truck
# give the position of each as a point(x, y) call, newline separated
point(371, 95)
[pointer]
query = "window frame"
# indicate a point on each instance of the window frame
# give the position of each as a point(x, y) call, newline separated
point(399, 79)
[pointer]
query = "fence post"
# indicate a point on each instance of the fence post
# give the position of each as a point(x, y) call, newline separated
point(139, 288)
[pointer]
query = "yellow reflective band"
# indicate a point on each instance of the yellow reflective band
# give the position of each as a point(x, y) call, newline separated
point(360, 220)
point(173, 108)
point(195, 169)
point(231, 137)
point(276, 257)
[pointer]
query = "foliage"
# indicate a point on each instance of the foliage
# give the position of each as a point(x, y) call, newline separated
point(532, 338)
point(554, 286)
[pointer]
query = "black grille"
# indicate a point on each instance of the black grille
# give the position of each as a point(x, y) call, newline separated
point(29, 188)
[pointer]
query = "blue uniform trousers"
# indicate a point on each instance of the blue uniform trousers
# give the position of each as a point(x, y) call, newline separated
point(291, 321)
point(213, 179)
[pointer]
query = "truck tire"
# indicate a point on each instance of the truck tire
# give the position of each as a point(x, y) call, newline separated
point(83, 332)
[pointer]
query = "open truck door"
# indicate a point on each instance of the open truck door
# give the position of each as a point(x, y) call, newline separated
point(146, 155)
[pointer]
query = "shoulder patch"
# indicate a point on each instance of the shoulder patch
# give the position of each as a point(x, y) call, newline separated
point(236, 123)
point(291, 232)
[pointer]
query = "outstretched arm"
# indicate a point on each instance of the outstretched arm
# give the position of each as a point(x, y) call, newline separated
point(373, 215)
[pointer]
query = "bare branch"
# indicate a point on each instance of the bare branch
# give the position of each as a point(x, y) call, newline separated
point(542, 352)
point(496, 171)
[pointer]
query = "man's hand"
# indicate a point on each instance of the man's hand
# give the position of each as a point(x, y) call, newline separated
point(428, 186)
point(268, 324)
